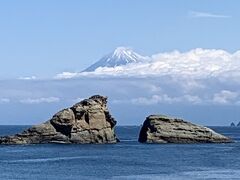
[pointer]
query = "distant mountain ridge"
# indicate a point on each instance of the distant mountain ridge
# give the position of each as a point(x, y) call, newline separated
point(120, 56)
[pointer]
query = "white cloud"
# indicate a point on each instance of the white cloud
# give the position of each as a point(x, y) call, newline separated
point(156, 99)
point(4, 100)
point(27, 78)
point(192, 99)
point(66, 75)
point(40, 100)
point(225, 97)
point(153, 88)
point(119, 101)
point(77, 100)
point(191, 85)
point(194, 64)
point(197, 14)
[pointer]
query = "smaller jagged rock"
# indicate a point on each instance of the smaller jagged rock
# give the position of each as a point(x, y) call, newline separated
point(164, 129)
point(232, 124)
point(88, 121)
point(238, 125)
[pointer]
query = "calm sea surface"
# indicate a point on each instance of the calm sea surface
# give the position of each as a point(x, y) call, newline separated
point(125, 160)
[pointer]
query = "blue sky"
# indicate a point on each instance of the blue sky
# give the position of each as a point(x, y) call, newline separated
point(42, 38)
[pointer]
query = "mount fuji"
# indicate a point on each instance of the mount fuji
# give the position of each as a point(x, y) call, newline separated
point(196, 63)
point(120, 56)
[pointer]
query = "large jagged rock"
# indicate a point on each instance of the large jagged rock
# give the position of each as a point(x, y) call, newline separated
point(88, 121)
point(232, 124)
point(164, 129)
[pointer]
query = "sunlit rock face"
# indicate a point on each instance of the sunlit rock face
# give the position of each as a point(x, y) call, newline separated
point(164, 129)
point(88, 121)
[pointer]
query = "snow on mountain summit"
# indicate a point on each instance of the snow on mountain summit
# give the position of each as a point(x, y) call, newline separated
point(127, 54)
point(196, 63)
point(120, 56)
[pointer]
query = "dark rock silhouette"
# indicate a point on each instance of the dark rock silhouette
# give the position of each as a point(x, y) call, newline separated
point(238, 125)
point(232, 124)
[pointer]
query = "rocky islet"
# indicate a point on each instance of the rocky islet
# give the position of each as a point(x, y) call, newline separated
point(90, 121)
point(165, 129)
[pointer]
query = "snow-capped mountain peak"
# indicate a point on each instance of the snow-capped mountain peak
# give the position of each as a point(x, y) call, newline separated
point(120, 56)
point(120, 51)
point(127, 53)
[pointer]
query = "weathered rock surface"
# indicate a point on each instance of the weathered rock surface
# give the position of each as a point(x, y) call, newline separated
point(164, 129)
point(88, 121)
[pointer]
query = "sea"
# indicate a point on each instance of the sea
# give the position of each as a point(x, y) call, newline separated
point(128, 159)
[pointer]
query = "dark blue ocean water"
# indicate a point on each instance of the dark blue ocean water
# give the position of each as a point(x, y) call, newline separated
point(125, 160)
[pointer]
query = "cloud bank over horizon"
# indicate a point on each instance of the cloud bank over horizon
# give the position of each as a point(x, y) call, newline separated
point(207, 101)
point(197, 63)
point(198, 77)
point(200, 84)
